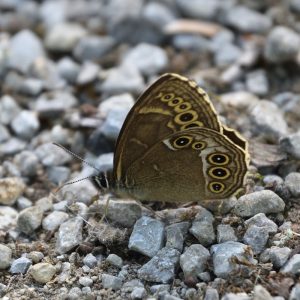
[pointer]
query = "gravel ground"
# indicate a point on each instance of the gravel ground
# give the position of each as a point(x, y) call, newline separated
point(70, 71)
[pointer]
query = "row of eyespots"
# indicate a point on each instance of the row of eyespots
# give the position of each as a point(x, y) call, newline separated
point(218, 171)
point(185, 140)
point(186, 117)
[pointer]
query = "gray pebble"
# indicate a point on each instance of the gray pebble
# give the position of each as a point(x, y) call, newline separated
point(27, 163)
point(211, 294)
point(20, 57)
point(291, 144)
point(175, 235)
point(64, 36)
point(238, 296)
point(264, 201)
point(45, 203)
point(9, 109)
point(160, 268)
point(58, 174)
point(125, 78)
point(247, 20)
point(257, 238)
point(69, 235)
point(5, 257)
point(138, 293)
point(30, 219)
point(292, 181)
point(88, 73)
point(23, 202)
point(10, 189)
point(279, 256)
point(282, 45)
point(35, 256)
point(61, 205)
point(75, 293)
point(93, 47)
point(268, 120)
point(222, 255)
point(202, 228)
point(124, 101)
point(157, 288)
point(115, 260)
point(54, 220)
point(42, 272)
point(271, 179)
point(68, 69)
point(191, 42)
point(8, 218)
point(85, 281)
point(12, 146)
point(225, 233)
point(20, 265)
point(261, 220)
point(257, 82)
point(31, 87)
point(148, 59)
point(292, 266)
point(260, 293)
point(147, 236)
point(194, 261)
point(241, 100)
point(90, 260)
point(111, 282)
point(4, 133)
point(295, 292)
point(226, 55)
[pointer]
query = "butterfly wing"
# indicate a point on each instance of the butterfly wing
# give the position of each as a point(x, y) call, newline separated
point(171, 104)
point(192, 165)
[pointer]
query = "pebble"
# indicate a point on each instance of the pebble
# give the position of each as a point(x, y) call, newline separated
point(23, 203)
point(5, 257)
point(138, 293)
point(292, 266)
point(282, 44)
point(93, 48)
point(203, 229)
point(90, 260)
point(227, 55)
point(261, 220)
point(8, 218)
point(279, 256)
point(260, 293)
point(148, 59)
point(12, 146)
point(9, 109)
point(271, 179)
point(54, 220)
point(291, 144)
point(223, 255)
point(257, 237)
point(63, 37)
point(225, 233)
point(268, 120)
point(211, 294)
point(161, 267)
point(257, 82)
point(194, 261)
point(4, 134)
point(176, 234)
point(30, 219)
point(125, 101)
point(115, 260)
point(247, 20)
point(20, 265)
point(20, 57)
point(58, 174)
point(125, 78)
point(11, 188)
point(88, 73)
point(85, 281)
point(264, 201)
point(27, 163)
point(191, 42)
point(292, 182)
point(111, 282)
point(238, 296)
point(68, 69)
point(295, 292)
point(42, 272)
point(31, 87)
point(35, 256)
point(69, 235)
point(241, 100)
point(45, 203)
point(147, 236)
point(158, 13)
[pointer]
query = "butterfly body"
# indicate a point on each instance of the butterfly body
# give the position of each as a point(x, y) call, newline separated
point(173, 148)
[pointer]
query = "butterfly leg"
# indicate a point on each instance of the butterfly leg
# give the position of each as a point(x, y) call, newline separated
point(106, 198)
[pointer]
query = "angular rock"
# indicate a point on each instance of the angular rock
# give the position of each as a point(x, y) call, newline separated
point(10, 189)
point(291, 144)
point(42, 272)
point(54, 220)
point(111, 282)
point(30, 219)
point(292, 182)
point(292, 266)
point(279, 256)
point(5, 257)
point(225, 233)
point(20, 265)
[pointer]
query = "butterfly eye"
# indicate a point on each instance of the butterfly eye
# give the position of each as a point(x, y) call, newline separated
point(186, 117)
point(199, 145)
point(191, 125)
point(216, 187)
point(167, 97)
point(183, 107)
point(219, 172)
point(219, 159)
point(182, 142)
point(175, 101)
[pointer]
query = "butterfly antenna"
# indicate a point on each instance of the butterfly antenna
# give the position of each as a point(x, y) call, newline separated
point(78, 157)
point(71, 182)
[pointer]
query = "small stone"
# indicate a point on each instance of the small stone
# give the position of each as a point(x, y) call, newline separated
point(93, 48)
point(54, 220)
point(85, 281)
point(64, 36)
point(12, 146)
point(194, 261)
point(20, 57)
point(111, 282)
point(68, 69)
point(247, 20)
point(227, 55)
point(211, 294)
point(292, 266)
point(282, 45)
point(175, 235)
point(223, 255)
point(225, 233)
point(10, 189)
point(23, 203)
point(291, 145)
point(295, 292)
point(257, 238)
point(202, 228)
point(5, 257)
point(30, 219)
point(4, 133)
point(88, 73)
point(292, 181)
point(20, 265)
point(75, 293)
point(260, 293)
point(241, 100)
point(279, 256)
point(160, 268)
point(58, 174)
point(27, 162)
point(69, 235)
point(90, 260)
point(8, 218)
point(148, 59)
point(45, 204)
point(9, 109)
point(238, 296)
point(271, 179)
point(125, 101)
point(147, 236)
point(261, 220)
point(42, 272)
point(115, 260)
point(138, 293)
point(268, 120)
point(257, 82)
point(31, 87)
point(158, 13)
point(36, 256)
point(191, 42)
point(264, 201)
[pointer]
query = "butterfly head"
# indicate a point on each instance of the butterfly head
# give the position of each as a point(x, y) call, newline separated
point(101, 181)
